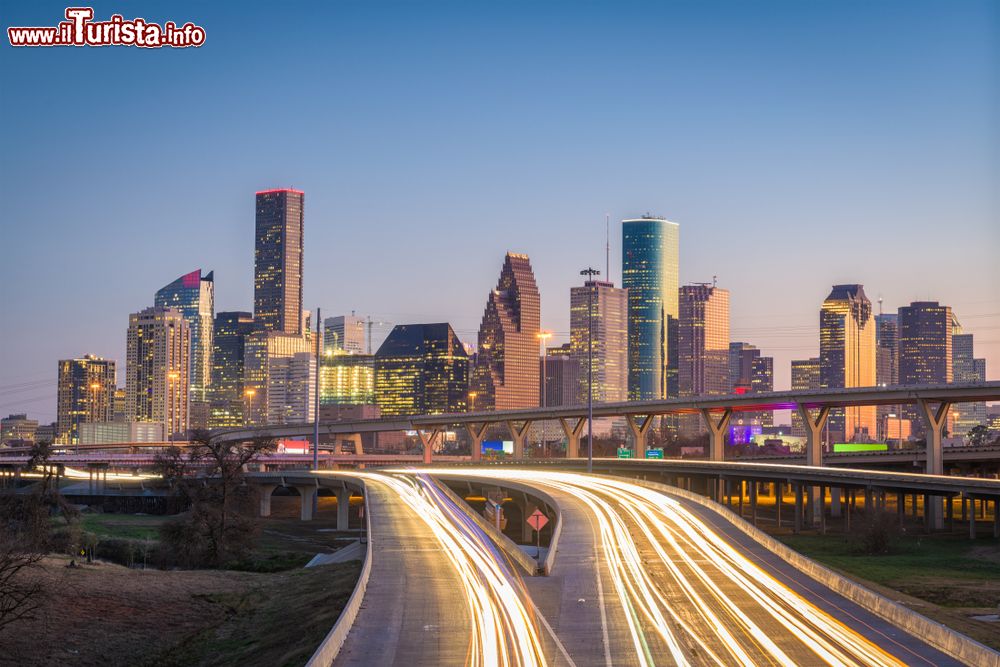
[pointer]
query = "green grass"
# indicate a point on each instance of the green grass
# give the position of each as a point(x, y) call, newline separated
point(280, 622)
point(948, 571)
point(124, 526)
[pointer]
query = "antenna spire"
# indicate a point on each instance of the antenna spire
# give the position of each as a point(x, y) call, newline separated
point(607, 245)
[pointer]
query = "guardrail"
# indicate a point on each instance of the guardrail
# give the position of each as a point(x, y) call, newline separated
point(330, 647)
point(940, 636)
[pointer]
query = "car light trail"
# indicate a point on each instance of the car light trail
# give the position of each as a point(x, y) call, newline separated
point(688, 595)
point(504, 631)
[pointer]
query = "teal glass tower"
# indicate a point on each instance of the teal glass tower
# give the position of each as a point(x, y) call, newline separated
point(650, 248)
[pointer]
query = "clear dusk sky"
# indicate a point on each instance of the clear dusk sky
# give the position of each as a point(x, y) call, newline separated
point(798, 144)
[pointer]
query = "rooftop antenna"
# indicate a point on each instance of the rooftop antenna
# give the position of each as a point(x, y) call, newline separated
point(715, 281)
point(607, 245)
point(880, 304)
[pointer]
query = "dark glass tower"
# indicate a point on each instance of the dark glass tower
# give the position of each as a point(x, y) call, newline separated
point(228, 401)
point(650, 273)
point(421, 369)
point(277, 284)
point(194, 296)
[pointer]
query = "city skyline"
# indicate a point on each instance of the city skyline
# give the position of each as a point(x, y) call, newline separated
point(768, 203)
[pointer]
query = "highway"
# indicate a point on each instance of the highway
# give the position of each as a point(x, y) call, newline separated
point(643, 578)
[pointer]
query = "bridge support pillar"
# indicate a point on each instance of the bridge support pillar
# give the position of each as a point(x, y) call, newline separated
point(307, 497)
point(343, 507)
point(797, 526)
point(519, 435)
point(573, 436)
point(265, 498)
point(717, 433)
point(476, 432)
point(834, 501)
point(814, 424)
point(428, 442)
point(639, 431)
point(935, 419)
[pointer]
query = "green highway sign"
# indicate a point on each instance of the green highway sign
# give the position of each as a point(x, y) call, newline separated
point(624, 453)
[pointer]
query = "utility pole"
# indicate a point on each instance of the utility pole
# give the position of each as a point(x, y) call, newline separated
point(590, 272)
point(318, 334)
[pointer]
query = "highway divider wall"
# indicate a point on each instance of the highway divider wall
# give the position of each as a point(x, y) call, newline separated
point(330, 647)
point(940, 636)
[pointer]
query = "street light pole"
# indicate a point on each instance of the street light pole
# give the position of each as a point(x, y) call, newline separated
point(319, 356)
point(590, 272)
point(172, 377)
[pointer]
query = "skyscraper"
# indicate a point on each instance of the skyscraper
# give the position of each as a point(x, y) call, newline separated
point(229, 341)
point(505, 374)
point(702, 347)
point(608, 323)
point(886, 365)
point(347, 379)
point(966, 368)
point(86, 389)
point(650, 274)
point(266, 371)
point(422, 369)
point(925, 329)
point(277, 294)
point(158, 369)
point(805, 377)
point(345, 333)
point(194, 296)
point(562, 376)
point(741, 356)
point(847, 358)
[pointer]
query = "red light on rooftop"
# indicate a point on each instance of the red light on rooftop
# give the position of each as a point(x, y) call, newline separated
point(277, 190)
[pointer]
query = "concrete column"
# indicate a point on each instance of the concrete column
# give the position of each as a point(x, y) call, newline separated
point(355, 438)
point(834, 501)
point(518, 435)
point(343, 507)
point(934, 419)
point(428, 443)
point(307, 497)
point(814, 423)
point(972, 518)
point(996, 518)
point(777, 501)
point(639, 432)
point(476, 432)
point(717, 432)
point(798, 507)
point(573, 436)
point(265, 498)
point(753, 502)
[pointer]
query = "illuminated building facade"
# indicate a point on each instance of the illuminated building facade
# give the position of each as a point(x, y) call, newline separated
point(561, 377)
point(650, 272)
point(805, 377)
point(265, 373)
point(277, 293)
point(86, 389)
point(847, 359)
point(702, 347)
point(505, 374)
point(229, 403)
point(157, 371)
point(193, 295)
point(966, 368)
point(422, 369)
point(925, 329)
point(607, 319)
point(347, 379)
point(344, 333)
point(886, 366)
point(17, 428)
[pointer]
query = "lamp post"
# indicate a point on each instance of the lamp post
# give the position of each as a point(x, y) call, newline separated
point(94, 388)
point(172, 377)
point(249, 392)
point(472, 400)
point(590, 272)
point(543, 337)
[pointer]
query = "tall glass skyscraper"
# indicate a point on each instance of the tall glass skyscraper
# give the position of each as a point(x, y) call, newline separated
point(421, 369)
point(966, 368)
point(847, 358)
point(650, 248)
point(702, 347)
point(193, 295)
point(229, 404)
point(85, 392)
point(158, 367)
point(277, 278)
point(602, 308)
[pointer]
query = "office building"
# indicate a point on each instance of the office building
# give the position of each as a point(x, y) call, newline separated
point(422, 369)
point(925, 355)
point(702, 347)
point(603, 309)
point(229, 402)
point(966, 368)
point(266, 370)
point(86, 388)
point(347, 379)
point(158, 367)
point(193, 295)
point(106, 433)
point(805, 377)
point(505, 374)
point(886, 366)
point(17, 428)
point(344, 333)
point(847, 359)
point(650, 270)
point(291, 386)
point(277, 293)
point(561, 374)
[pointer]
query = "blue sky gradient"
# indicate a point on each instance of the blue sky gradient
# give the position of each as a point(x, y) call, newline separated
point(798, 144)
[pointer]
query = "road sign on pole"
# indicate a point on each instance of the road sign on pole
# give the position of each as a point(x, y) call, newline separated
point(537, 520)
point(624, 453)
point(654, 453)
